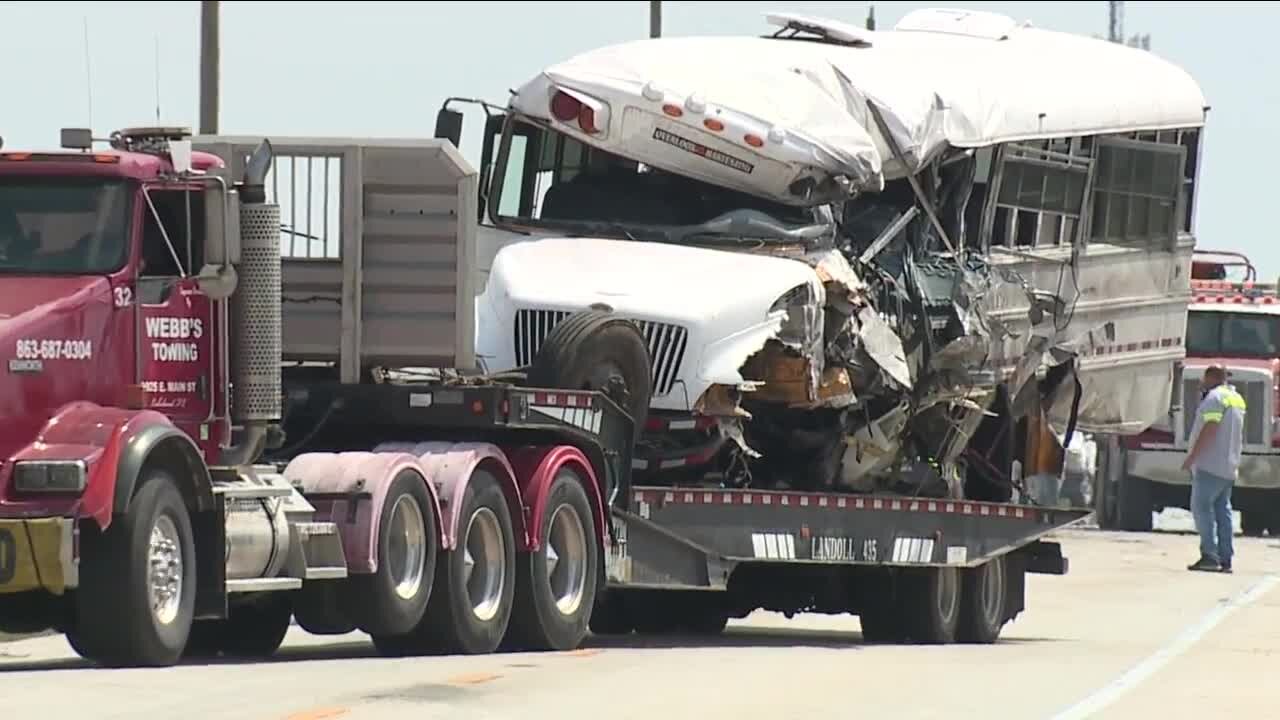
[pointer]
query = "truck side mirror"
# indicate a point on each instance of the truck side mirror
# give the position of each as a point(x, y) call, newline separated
point(449, 126)
point(217, 276)
point(217, 281)
point(221, 225)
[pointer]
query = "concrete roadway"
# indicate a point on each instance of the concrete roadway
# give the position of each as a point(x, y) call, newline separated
point(1129, 633)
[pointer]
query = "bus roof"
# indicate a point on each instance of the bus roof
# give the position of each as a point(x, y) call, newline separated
point(940, 78)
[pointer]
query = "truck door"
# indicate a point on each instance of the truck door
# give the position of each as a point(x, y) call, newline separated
point(175, 319)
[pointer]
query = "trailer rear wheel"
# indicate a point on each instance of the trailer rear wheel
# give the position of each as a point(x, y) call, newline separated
point(596, 350)
point(982, 602)
point(138, 580)
point(470, 607)
point(392, 600)
point(933, 605)
point(556, 585)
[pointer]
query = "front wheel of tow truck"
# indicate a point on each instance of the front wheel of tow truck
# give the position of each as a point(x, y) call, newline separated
point(138, 580)
point(982, 601)
point(470, 606)
point(556, 585)
point(596, 350)
point(933, 605)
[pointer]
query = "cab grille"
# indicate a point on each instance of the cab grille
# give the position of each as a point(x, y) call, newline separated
point(666, 344)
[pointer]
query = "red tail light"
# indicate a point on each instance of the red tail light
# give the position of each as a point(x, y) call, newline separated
point(567, 108)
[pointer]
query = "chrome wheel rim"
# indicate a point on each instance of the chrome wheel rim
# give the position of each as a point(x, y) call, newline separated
point(484, 563)
point(406, 547)
point(566, 559)
point(164, 570)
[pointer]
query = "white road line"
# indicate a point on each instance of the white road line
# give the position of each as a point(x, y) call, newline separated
point(1152, 663)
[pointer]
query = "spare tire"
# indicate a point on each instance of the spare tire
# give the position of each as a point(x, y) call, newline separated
point(596, 350)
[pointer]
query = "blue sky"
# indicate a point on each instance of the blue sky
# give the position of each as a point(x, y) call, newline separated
point(382, 69)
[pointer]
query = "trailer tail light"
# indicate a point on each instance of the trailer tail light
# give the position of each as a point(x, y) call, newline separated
point(713, 124)
point(590, 115)
point(754, 141)
point(50, 476)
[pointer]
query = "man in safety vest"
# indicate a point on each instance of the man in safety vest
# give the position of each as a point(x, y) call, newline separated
point(1214, 462)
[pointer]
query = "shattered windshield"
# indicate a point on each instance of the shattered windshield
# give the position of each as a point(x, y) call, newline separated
point(553, 180)
point(1243, 335)
point(61, 225)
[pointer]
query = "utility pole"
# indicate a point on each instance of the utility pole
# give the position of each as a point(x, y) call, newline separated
point(655, 18)
point(1115, 26)
point(209, 52)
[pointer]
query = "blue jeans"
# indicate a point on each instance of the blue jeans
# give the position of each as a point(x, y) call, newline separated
point(1211, 506)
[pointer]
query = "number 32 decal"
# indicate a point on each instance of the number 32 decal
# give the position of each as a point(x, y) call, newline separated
point(124, 297)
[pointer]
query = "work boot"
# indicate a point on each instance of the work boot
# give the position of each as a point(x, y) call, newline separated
point(1204, 564)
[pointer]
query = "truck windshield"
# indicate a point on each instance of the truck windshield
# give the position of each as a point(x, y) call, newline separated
point(64, 226)
point(555, 181)
point(1238, 335)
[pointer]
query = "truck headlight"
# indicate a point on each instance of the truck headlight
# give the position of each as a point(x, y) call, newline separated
point(50, 476)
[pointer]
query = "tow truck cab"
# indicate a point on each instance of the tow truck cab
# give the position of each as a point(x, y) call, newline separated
point(1234, 322)
point(116, 272)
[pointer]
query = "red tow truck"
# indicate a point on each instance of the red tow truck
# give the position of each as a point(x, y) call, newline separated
point(204, 436)
point(1233, 321)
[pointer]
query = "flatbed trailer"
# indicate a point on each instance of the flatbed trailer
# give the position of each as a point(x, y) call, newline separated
point(266, 467)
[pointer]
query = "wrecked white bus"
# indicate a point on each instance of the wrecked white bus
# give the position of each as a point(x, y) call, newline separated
point(873, 261)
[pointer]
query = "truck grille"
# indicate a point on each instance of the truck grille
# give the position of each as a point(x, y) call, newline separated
point(666, 343)
point(1257, 418)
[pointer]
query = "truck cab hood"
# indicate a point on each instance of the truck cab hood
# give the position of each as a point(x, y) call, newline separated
point(688, 285)
point(21, 295)
point(703, 311)
point(52, 336)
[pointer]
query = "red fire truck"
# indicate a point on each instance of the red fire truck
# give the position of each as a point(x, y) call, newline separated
point(1233, 321)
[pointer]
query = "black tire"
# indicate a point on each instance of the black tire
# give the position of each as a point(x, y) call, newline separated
point(882, 618)
point(318, 608)
point(372, 600)
point(253, 629)
point(609, 616)
point(983, 595)
point(115, 624)
point(705, 622)
point(540, 621)
point(932, 605)
point(257, 629)
point(1252, 523)
point(1133, 500)
point(450, 625)
point(595, 350)
point(1273, 524)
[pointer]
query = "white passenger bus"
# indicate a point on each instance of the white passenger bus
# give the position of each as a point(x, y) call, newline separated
point(737, 194)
